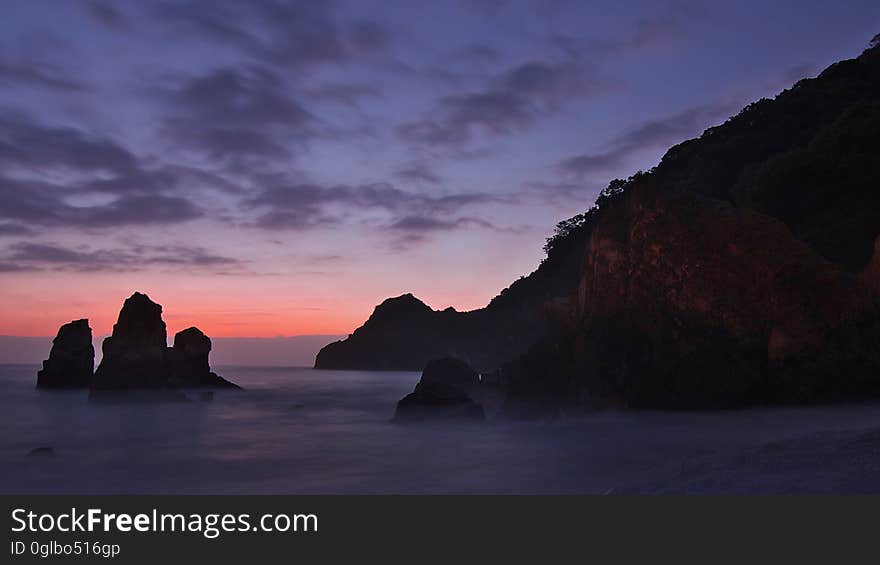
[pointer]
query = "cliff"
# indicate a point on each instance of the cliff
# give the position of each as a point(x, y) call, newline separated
point(689, 302)
point(741, 270)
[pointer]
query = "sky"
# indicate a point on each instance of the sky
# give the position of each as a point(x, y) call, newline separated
point(270, 168)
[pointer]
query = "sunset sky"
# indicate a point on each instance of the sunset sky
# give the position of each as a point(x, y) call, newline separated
point(269, 168)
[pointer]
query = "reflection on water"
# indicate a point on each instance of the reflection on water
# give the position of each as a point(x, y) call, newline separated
point(302, 431)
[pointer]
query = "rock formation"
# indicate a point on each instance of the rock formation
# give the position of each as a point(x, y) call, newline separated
point(136, 355)
point(743, 269)
point(403, 333)
point(443, 393)
point(189, 361)
point(71, 361)
point(689, 302)
point(871, 275)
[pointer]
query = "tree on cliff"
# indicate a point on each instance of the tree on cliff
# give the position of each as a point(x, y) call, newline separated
point(566, 229)
point(875, 42)
point(563, 230)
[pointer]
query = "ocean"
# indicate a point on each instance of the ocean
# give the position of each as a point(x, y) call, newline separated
point(300, 431)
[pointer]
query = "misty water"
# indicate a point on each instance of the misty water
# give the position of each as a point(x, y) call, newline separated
point(295, 430)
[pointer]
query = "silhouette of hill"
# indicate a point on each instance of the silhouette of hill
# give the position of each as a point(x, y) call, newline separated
point(773, 298)
point(742, 269)
point(403, 333)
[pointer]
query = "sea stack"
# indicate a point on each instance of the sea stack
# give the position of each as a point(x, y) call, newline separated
point(135, 354)
point(189, 361)
point(71, 361)
point(443, 393)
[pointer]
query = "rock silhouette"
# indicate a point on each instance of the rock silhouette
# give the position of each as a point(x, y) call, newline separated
point(443, 393)
point(743, 269)
point(136, 355)
point(189, 361)
point(403, 333)
point(871, 275)
point(687, 302)
point(71, 360)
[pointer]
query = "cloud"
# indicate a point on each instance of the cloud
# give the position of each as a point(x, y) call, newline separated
point(644, 34)
point(236, 112)
point(30, 202)
point(45, 256)
point(107, 15)
point(13, 268)
point(166, 179)
point(652, 134)
point(418, 172)
point(560, 195)
point(137, 210)
point(45, 171)
point(410, 231)
point(303, 206)
point(480, 53)
point(136, 182)
point(38, 203)
point(24, 143)
point(299, 34)
point(409, 218)
point(595, 163)
point(670, 23)
point(36, 252)
point(28, 72)
point(428, 224)
point(510, 102)
point(293, 219)
point(250, 96)
point(346, 94)
point(14, 229)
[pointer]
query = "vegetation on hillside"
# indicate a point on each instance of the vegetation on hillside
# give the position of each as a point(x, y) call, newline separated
point(809, 157)
point(568, 230)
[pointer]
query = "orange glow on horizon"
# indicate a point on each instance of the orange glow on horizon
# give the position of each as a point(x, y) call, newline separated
point(179, 315)
point(214, 317)
point(280, 303)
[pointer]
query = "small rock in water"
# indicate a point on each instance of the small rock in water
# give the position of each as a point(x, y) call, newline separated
point(443, 393)
point(41, 452)
point(188, 361)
